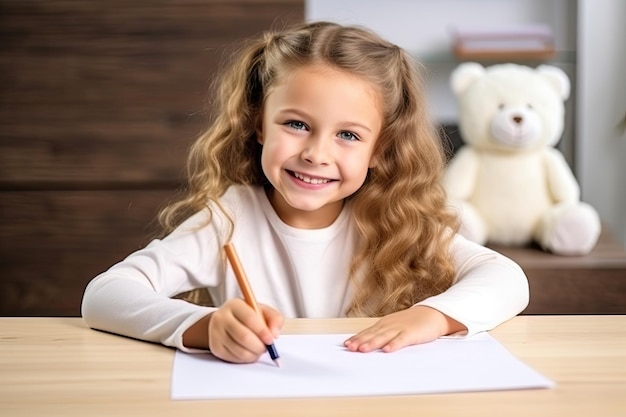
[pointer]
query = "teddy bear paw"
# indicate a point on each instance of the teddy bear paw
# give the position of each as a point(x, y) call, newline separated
point(574, 232)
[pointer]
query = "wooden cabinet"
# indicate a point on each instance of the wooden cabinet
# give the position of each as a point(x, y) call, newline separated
point(591, 284)
point(100, 100)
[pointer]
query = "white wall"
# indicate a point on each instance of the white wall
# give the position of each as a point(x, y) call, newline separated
point(424, 27)
point(601, 125)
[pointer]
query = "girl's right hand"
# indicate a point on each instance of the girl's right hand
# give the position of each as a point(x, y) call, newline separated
point(238, 334)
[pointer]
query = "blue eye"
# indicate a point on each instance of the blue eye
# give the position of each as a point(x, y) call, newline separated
point(297, 125)
point(349, 136)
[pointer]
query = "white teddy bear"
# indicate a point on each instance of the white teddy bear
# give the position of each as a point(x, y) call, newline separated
point(509, 183)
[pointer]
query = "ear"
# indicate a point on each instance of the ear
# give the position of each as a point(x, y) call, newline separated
point(259, 130)
point(557, 79)
point(374, 157)
point(373, 161)
point(464, 75)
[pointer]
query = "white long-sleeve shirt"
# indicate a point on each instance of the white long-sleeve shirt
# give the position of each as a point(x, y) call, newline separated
point(300, 272)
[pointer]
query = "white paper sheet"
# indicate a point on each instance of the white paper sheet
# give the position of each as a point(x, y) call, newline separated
point(319, 366)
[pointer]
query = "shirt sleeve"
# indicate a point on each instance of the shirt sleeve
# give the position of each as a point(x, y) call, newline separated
point(133, 297)
point(488, 289)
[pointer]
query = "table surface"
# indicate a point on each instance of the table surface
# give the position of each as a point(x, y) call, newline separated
point(58, 366)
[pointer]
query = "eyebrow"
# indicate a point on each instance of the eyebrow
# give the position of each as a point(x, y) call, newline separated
point(306, 116)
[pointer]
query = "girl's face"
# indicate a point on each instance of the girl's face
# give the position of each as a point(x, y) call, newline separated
point(318, 132)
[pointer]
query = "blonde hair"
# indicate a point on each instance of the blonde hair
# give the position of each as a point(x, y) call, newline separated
point(400, 212)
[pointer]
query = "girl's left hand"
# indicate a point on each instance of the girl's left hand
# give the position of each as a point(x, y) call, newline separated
point(415, 325)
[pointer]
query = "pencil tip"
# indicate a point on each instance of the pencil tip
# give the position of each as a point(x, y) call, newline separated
point(276, 362)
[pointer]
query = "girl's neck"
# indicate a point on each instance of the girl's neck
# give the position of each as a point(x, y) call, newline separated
point(302, 219)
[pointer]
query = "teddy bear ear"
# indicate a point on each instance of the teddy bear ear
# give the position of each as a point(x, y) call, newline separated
point(464, 75)
point(557, 78)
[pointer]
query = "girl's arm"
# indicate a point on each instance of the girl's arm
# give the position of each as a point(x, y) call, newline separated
point(132, 298)
point(122, 306)
point(489, 289)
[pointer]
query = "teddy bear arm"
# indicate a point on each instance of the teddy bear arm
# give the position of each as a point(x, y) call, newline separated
point(461, 173)
point(561, 181)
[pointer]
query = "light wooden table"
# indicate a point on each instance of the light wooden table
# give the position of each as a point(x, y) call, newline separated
point(59, 367)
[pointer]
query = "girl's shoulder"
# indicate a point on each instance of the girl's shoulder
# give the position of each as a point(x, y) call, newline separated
point(235, 203)
point(238, 192)
point(242, 197)
point(242, 202)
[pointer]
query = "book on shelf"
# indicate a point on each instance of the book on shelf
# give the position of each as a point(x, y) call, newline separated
point(506, 43)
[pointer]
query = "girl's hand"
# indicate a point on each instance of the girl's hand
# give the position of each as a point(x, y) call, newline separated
point(238, 334)
point(412, 326)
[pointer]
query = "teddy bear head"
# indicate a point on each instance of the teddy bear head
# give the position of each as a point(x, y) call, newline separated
point(510, 107)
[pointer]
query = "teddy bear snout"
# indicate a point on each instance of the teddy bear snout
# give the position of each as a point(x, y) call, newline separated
point(515, 127)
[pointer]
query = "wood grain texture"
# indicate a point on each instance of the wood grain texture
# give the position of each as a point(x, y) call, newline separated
point(53, 242)
point(58, 367)
point(99, 102)
point(113, 91)
point(591, 284)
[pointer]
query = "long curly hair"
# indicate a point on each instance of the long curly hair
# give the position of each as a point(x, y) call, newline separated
point(400, 212)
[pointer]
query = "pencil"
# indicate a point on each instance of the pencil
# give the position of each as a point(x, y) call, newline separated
point(248, 295)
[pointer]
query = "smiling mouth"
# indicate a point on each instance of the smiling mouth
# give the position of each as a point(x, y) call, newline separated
point(310, 180)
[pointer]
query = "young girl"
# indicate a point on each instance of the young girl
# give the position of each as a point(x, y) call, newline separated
point(322, 168)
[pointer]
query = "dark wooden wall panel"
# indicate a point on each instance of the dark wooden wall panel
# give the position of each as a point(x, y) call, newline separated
point(83, 81)
point(99, 101)
point(54, 242)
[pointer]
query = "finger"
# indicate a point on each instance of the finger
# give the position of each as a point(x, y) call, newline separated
point(244, 344)
point(251, 331)
point(231, 353)
point(236, 343)
point(397, 342)
point(371, 339)
point(366, 334)
point(273, 318)
point(229, 338)
point(254, 322)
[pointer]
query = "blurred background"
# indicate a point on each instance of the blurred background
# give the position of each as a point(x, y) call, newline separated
point(100, 100)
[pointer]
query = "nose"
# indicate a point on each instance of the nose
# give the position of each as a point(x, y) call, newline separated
point(317, 151)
